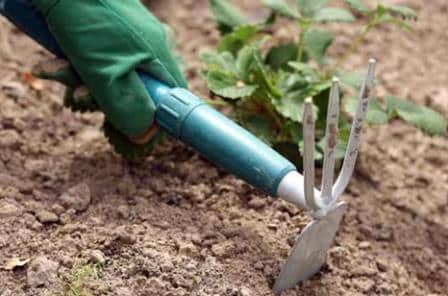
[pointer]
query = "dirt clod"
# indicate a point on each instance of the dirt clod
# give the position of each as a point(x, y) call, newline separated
point(9, 208)
point(96, 256)
point(45, 216)
point(77, 197)
point(188, 249)
point(41, 271)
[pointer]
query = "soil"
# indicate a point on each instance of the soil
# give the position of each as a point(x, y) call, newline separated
point(176, 225)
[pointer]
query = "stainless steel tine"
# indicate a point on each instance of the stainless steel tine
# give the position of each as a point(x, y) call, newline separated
point(308, 155)
point(355, 134)
point(331, 141)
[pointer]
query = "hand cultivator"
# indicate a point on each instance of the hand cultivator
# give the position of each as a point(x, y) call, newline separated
point(185, 117)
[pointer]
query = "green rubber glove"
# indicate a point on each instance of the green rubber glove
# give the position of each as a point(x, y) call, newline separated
point(106, 41)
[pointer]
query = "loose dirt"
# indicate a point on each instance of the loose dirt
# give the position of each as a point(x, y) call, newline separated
point(176, 225)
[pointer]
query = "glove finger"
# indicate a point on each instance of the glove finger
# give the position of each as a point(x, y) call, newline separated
point(57, 70)
point(80, 100)
point(145, 137)
point(165, 72)
point(165, 67)
point(126, 103)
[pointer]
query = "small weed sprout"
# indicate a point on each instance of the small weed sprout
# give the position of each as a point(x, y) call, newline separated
point(80, 276)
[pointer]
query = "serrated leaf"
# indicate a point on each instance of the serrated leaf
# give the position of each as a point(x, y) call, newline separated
point(293, 81)
point(358, 6)
point(308, 7)
point(223, 61)
point(228, 86)
point(279, 56)
point(402, 12)
point(308, 72)
point(226, 16)
point(262, 78)
point(333, 14)
point(422, 117)
point(236, 40)
point(375, 112)
point(351, 79)
point(237, 92)
point(245, 61)
point(317, 41)
point(282, 8)
point(291, 106)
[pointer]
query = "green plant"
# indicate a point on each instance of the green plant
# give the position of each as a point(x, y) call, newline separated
point(265, 82)
point(79, 277)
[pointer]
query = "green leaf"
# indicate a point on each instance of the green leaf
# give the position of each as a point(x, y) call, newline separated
point(282, 8)
point(331, 14)
point(228, 86)
point(402, 12)
point(279, 56)
point(223, 61)
point(268, 21)
point(422, 117)
point(245, 61)
point(317, 41)
point(290, 82)
point(375, 112)
point(308, 7)
point(263, 79)
point(236, 40)
point(351, 79)
point(291, 106)
point(226, 16)
point(308, 72)
point(358, 6)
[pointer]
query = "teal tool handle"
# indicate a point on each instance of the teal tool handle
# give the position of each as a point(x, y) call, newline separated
point(184, 116)
point(217, 138)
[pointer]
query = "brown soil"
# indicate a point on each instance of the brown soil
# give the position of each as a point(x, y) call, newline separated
point(176, 225)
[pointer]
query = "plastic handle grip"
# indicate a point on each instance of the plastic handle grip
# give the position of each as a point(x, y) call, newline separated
point(183, 116)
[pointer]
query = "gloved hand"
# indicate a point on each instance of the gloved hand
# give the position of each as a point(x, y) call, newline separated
point(106, 41)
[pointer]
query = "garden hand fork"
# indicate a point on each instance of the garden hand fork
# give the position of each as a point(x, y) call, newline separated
point(309, 251)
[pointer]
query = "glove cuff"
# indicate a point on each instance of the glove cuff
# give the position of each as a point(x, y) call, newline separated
point(44, 6)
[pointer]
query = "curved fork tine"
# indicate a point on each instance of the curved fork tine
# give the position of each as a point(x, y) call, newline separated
point(355, 134)
point(308, 155)
point(331, 141)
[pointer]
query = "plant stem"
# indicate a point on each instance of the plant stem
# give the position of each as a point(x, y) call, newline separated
point(215, 102)
point(304, 25)
point(356, 44)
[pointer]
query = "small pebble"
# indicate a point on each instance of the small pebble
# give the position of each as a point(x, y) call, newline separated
point(364, 245)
